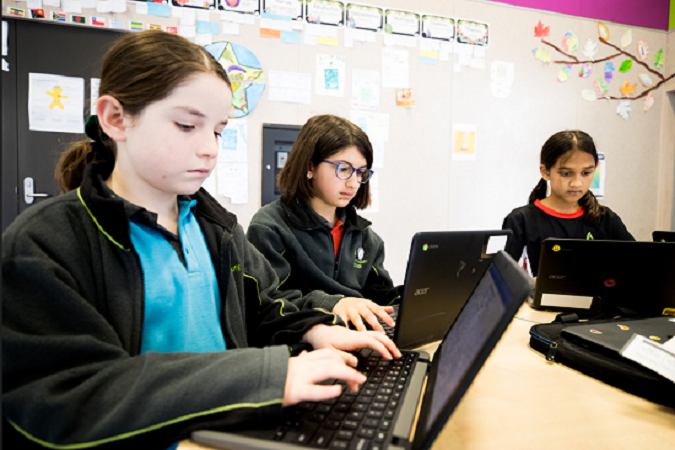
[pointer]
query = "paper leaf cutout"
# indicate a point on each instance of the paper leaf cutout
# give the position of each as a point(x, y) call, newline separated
point(564, 73)
point(642, 50)
point(626, 66)
point(648, 103)
point(659, 59)
point(609, 71)
point(541, 31)
point(627, 89)
point(623, 109)
point(586, 70)
point(601, 87)
point(570, 42)
point(589, 94)
point(627, 38)
point(645, 80)
point(542, 54)
point(603, 31)
point(590, 49)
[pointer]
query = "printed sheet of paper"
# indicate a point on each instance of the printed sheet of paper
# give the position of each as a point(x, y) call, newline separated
point(365, 89)
point(464, 142)
point(233, 182)
point(234, 142)
point(374, 201)
point(55, 103)
point(330, 75)
point(376, 125)
point(598, 183)
point(290, 87)
point(95, 83)
point(502, 74)
point(395, 68)
point(378, 154)
point(651, 355)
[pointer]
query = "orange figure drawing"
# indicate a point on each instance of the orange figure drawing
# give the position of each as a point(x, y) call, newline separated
point(56, 95)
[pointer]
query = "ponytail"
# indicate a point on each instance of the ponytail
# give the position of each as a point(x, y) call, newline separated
point(593, 209)
point(70, 168)
point(539, 192)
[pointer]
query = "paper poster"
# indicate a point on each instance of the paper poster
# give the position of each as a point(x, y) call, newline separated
point(290, 87)
point(241, 6)
point(374, 200)
point(205, 5)
point(287, 8)
point(438, 27)
point(406, 23)
point(327, 12)
point(365, 89)
point(233, 142)
point(95, 83)
point(464, 142)
point(364, 17)
point(598, 183)
point(376, 125)
point(4, 38)
point(55, 103)
point(472, 33)
point(330, 75)
point(405, 98)
point(378, 154)
point(233, 181)
point(395, 68)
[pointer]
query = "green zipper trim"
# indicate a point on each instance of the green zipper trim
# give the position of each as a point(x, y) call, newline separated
point(281, 311)
point(99, 225)
point(144, 430)
point(287, 276)
point(284, 251)
point(392, 302)
point(329, 313)
point(376, 271)
point(257, 287)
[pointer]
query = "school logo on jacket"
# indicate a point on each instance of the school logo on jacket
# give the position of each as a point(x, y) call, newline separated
point(359, 261)
point(589, 236)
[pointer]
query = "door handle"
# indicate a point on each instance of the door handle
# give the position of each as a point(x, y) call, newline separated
point(28, 191)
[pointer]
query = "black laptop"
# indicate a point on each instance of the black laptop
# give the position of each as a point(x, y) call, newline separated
point(381, 415)
point(663, 236)
point(593, 276)
point(443, 270)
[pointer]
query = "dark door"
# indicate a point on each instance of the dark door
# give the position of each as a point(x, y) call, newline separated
point(42, 47)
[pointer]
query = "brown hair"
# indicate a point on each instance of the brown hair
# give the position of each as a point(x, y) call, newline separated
point(139, 69)
point(320, 138)
point(556, 147)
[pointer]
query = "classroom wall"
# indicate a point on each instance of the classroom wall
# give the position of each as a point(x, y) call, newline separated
point(421, 188)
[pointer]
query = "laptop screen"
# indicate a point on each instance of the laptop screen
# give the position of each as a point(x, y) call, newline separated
point(465, 341)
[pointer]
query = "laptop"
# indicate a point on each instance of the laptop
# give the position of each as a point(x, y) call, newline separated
point(443, 270)
point(663, 236)
point(380, 416)
point(592, 276)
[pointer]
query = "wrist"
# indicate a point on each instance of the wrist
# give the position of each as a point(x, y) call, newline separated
point(308, 337)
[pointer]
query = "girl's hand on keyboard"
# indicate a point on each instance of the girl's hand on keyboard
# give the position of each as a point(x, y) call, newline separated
point(308, 369)
point(340, 338)
point(354, 310)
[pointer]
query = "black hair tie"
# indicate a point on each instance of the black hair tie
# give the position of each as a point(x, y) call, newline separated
point(93, 130)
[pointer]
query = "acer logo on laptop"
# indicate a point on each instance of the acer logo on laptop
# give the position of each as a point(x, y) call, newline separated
point(421, 291)
point(557, 277)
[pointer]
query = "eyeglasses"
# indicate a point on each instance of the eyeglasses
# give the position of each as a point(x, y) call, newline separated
point(344, 171)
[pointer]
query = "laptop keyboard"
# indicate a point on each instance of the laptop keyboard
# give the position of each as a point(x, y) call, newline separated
point(360, 420)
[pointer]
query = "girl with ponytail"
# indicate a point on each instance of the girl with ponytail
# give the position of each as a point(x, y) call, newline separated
point(134, 309)
point(570, 210)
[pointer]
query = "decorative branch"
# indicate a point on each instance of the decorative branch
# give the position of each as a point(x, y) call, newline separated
point(633, 58)
point(576, 60)
point(644, 94)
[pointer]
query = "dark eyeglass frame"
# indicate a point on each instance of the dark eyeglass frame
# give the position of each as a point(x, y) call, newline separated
point(346, 164)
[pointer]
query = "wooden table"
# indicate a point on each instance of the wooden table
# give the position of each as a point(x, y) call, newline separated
point(521, 401)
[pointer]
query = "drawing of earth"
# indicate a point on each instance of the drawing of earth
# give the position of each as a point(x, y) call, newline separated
point(246, 75)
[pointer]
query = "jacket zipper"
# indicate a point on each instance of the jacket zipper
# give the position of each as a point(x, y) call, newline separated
point(552, 345)
point(140, 266)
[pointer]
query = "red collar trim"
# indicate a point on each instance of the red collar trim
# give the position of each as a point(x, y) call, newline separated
point(551, 212)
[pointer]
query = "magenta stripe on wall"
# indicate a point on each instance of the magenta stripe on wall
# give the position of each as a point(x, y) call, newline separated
point(639, 13)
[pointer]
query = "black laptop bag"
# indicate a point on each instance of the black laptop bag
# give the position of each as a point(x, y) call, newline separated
point(600, 363)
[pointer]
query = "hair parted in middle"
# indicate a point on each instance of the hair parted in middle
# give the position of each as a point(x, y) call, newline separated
point(319, 139)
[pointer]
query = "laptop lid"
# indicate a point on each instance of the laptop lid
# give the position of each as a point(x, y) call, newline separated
point(468, 343)
point(443, 269)
point(592, 276)
point(663, 236)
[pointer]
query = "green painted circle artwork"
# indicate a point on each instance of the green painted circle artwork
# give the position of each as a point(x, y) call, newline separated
point(246, 75)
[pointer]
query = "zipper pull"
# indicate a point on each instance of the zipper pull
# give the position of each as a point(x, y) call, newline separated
point(550, 355)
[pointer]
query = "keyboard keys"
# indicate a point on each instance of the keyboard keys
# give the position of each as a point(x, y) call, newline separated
point(323, 409)
point(331, 424)
point(339, 445)
point(370, 423)
point(350, 425)
point(360, 444)
point(355, 415)
point(321, 438)
point(367, 433)
point(344, 434)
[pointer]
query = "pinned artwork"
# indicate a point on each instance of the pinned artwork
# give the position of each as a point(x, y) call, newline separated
point(627, 88)
point(590, 49)
point(586, 70)
point(564, 73)
point(648, 102)
point(623, 109)
point(589, 94)
point(642, 50)
point(658, 59)
point(609, 71)
point(603, 31)
point(601, 88)
point(645, 80)
point(626, 66)
point(542, 54)
point(570, 42)
point(541, 31)
point(405, 98)
point(627, 38)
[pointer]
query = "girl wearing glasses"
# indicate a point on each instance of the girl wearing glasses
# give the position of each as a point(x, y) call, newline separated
point(313, 237)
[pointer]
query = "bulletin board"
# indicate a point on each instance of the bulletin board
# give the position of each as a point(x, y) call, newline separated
point(460, 150)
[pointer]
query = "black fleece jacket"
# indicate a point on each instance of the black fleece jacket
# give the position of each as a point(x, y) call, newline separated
point(72, 310)
point(298, 244)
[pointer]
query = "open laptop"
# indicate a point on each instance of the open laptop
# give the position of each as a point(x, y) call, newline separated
point(443, 270)
point(380, 417)
point(592, 276)
point(663, 236)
